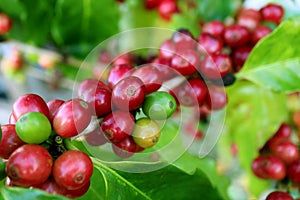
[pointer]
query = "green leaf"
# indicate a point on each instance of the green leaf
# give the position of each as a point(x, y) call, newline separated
point(190, 164)
point(27, 25)
point(14, 193)
point(159, 184)
point(2, 170)
point(253, 116)
point(84, 22)
point(216, 10)
point(274, 62)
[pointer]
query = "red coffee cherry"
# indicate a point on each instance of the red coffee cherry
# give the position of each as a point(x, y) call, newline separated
point(30, 164)
point(117, 125)
point(278, 195)
point(236, 35)
point(269, 167)
point(72, 170)
point(272, 13)
point(129, 93)
point(10, 140)
point(214, 27)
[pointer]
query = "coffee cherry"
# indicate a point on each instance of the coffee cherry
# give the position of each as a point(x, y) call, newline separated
point(30, 164)
point(272, 12)
point(167, 8)
point(51, 187)
point(214, 27)
point(259, 33)
point(239, 56)
point(89, 84)
point(159, 105)
point(53, 107)
point(129, 93)
point(5, 23)
point(293, 171)
point(186, 63)
point(278, 195)
point(210, 43)
point(99, 100)
point(146, 132)
point(117, 125)
point(71, 118)
point(268, 167)
point(183, 40)
point(285, 150)
point(216, 98)
point(284, 131)
point(163, 66)
point(29, 103)
point(150, 76)
point(118, 72)
point(72, 170)
point(78, 192)
point(236, 35)
point(10, 141)
point(33, 128)
point(198, 87)
point(126, 148)
point(249, 18)
point(167, 49)
point(96, 137)
point(216, 66)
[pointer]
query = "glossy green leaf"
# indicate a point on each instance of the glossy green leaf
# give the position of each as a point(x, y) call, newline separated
point(84, 22)
point(27, 25)
point(216, 10)
point(16, 193)
point(274, 62)
point(253, 116)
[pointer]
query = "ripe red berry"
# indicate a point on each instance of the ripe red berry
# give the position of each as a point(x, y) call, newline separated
point(285, 150)
point(284, 131)
point(72, 170)
point(183, 40)
point(210, 43)
point(29, 103)
point(126, 147)
point(236, 35)
point(5, 23)
point(167, 49)
point(260, 32)
point(186, 63)
point(216, 66)
point(198, 87)
point(249, 18)
point(278, 195)
point(10, 141)
point(53, 107)
point(239, 56)
point(216, 98)
point(88, 84)
point(269, 167)
point(293, 171)
point(117, 125)
point(167, 8)
point(30, 164)
point(214, 27)
point(72, 117)
point(272, 13)
point(129, 93)
point(118, 72)
point(150, 76)
point(99, 100)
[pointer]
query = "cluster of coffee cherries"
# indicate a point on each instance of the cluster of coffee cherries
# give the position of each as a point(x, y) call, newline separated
point(279, 160)
point(32, 146)
point(127, 107)
point(237, 39)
